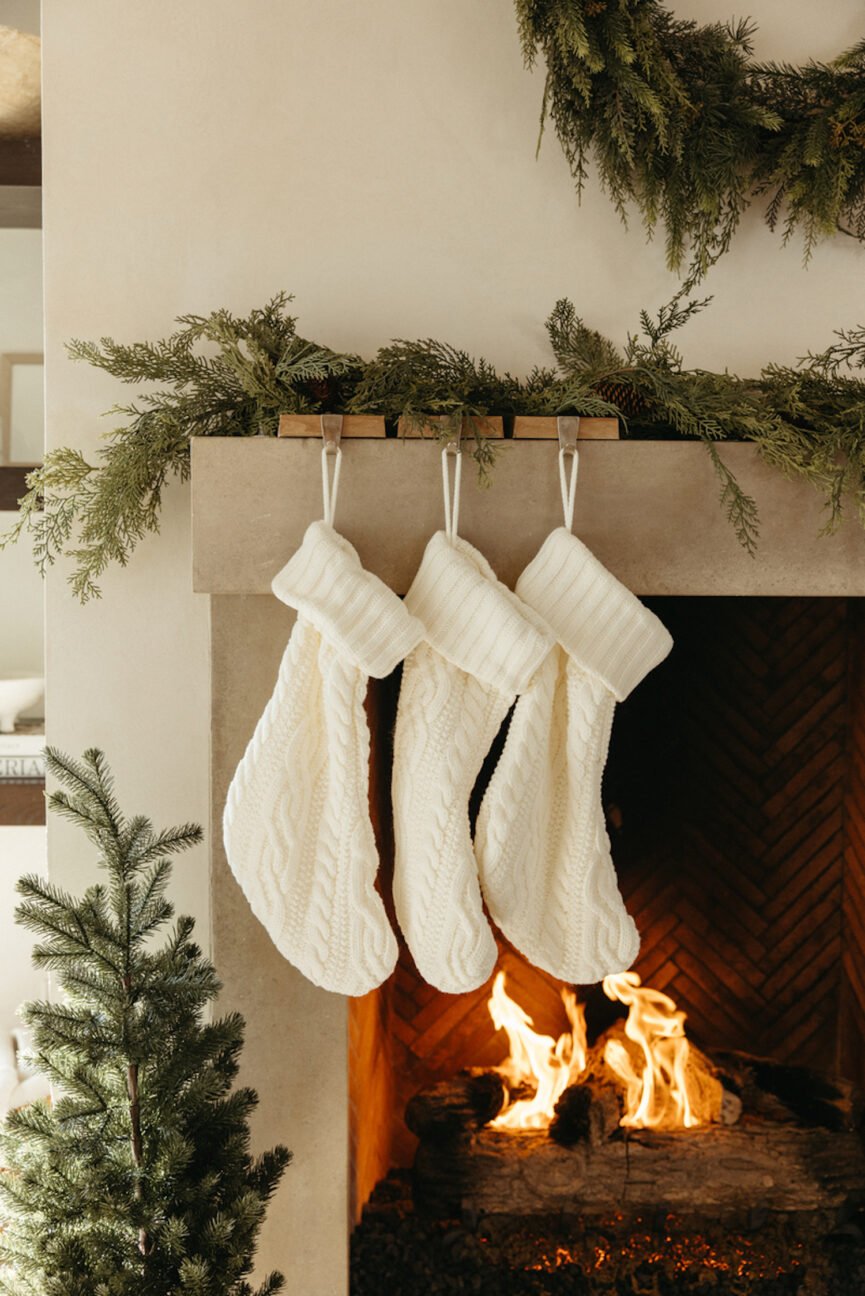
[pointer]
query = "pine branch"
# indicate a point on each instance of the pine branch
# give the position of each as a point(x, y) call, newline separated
point(739, 508)
point(683, 123)
point(96, 513)
point(169, 843)
point(140, 1173)
point(91, 780)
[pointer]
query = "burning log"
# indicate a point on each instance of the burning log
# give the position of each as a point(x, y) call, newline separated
point(592, 1110)
point(782, 1092)
point(454, 1107)
point(587, 1112)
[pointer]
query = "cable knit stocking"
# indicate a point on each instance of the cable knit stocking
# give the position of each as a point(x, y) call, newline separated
point(541, 842)
point(297, 830)
point(482, 647)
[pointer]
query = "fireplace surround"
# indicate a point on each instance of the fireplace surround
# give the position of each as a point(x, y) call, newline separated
point(735, 789)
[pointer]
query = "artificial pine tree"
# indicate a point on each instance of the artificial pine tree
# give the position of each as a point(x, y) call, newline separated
point(137, 1180)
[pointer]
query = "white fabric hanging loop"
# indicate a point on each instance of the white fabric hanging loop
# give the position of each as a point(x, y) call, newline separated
point(452, 509)
point(330, 485)
point(569, 431)
point(568, 483)
point(331, 435)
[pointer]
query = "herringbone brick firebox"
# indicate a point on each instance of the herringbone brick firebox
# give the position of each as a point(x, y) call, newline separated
point(735, 798)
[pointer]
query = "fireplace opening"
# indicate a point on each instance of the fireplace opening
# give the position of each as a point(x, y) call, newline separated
point(695, 1124)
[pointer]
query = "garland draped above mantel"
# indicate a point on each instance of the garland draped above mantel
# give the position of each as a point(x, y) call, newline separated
point(221, 375)
point(681, 121)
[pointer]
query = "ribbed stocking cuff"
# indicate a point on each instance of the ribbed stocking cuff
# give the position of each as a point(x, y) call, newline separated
point(599, 622)
point(473, 620)
point(349, 607)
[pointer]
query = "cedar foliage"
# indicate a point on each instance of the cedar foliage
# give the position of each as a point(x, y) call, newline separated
point(429, 380)
point(807, 420)
point(137, 1180)
point(218, 375)
point(682, 122)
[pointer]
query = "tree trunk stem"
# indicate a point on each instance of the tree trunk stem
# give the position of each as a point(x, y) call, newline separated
point(135, 1140)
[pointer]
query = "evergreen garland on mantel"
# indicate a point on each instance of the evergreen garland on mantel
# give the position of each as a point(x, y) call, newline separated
point(681, 121)
point(808, 420)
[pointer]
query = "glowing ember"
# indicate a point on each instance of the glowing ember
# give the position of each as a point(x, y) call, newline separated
point(674, 1252)
point(664, 1084)
point(550, 1065)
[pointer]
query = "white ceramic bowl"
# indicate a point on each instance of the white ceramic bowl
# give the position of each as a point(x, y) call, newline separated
point(16, 695)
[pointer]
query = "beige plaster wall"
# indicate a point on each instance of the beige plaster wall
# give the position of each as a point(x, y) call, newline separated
point(378, 160)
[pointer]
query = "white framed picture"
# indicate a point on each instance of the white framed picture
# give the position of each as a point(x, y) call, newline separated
point(22, 409)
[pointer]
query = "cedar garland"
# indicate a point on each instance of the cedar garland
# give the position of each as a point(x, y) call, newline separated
point(808, 420)
point(681, 121)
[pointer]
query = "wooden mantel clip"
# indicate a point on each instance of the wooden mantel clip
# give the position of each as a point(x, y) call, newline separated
point(523, 427)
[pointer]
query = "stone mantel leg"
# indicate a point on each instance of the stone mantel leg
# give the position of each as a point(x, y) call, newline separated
point(296, 1052)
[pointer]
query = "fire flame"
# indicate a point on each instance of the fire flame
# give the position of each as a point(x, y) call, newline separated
point(661, 1090)
point(550, 1065)
point(659, 1095)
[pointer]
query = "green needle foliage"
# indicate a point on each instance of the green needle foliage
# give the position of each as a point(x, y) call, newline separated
point(808, 421)
point(682, 122)
point(223, 376)
point(665, 396)
point(218, 376)
point(436, 388)
point(138, 1180)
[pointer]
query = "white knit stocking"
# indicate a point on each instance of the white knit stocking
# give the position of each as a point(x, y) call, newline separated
point(297, 829)
point(482, 647)
point(541, 842)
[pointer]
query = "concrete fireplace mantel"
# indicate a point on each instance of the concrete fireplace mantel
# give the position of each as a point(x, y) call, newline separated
point(649, 510)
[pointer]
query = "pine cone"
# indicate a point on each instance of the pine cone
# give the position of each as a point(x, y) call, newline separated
point(626, 398)
point(320, 389)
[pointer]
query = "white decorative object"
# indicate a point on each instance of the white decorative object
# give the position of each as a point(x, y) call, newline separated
point(20, 83)
point(541, 842)
point(22, 409)
point(18, 694)
point(22, 757)
point(20, 1084)
point(297, 829)
point(481, 649)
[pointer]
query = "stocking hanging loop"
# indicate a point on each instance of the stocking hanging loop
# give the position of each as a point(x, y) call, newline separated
point(331, 434)
point(569, 431)
point(452, 509)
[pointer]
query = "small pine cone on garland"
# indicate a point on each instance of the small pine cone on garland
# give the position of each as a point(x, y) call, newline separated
point(626, 398)
point(322, 390)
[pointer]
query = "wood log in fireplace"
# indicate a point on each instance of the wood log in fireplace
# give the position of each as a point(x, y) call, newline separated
point(717, 1172)
point(453, 1107)
point(794, 1153)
